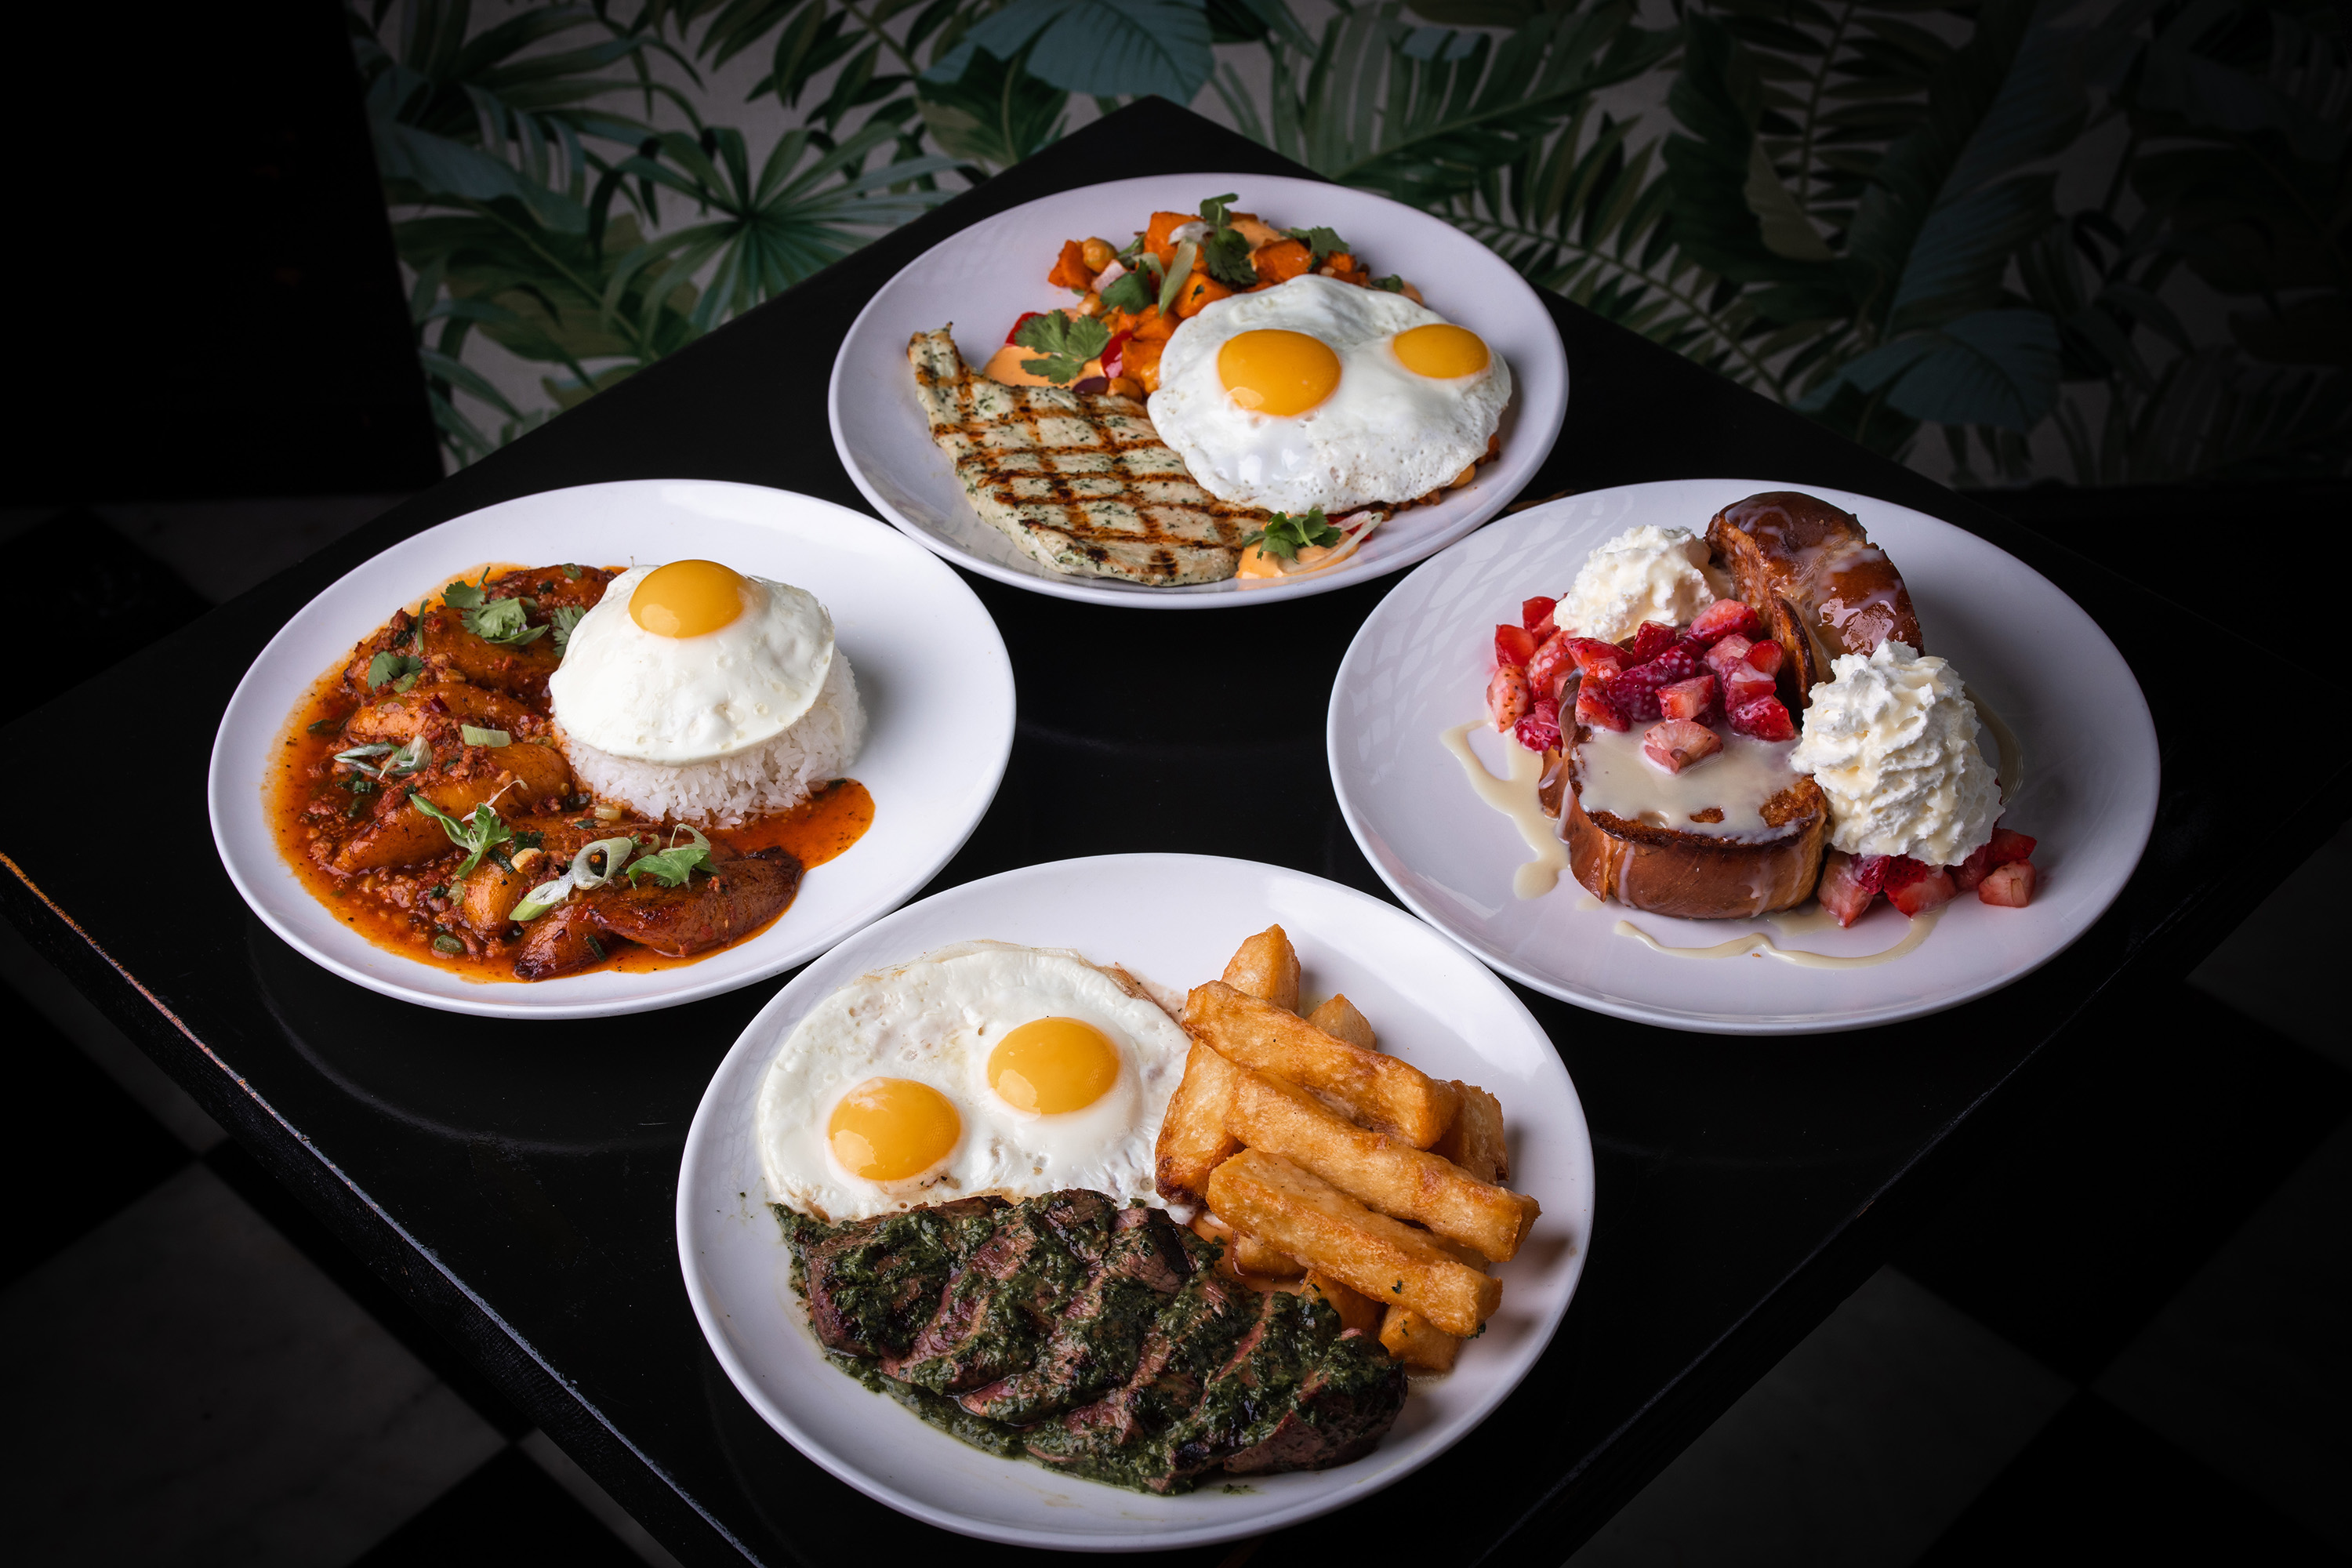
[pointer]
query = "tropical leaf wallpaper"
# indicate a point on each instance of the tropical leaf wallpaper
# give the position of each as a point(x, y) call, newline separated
point(2003, 240)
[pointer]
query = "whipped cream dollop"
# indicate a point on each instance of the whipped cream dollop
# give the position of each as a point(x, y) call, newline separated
point(1892, 740)
point(1645, 574)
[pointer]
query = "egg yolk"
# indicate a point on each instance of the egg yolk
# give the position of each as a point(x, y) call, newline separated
point(1048, 1066)
point(687, 599)
point(888, 1128)
point(1441, 351)
point(1277, 372)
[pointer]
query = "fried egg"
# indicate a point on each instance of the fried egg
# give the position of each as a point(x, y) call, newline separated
point(980, 1068)
point(1319, 393)
point(690, 662)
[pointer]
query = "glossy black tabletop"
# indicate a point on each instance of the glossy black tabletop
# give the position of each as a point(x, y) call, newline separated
point(514, 1182)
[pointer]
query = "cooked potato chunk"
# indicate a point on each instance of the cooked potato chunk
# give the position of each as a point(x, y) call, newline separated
point(1376, 1088)
point(1267, 967)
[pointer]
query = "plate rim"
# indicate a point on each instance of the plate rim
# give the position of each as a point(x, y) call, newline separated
point(219, 788)
point(1664, 1017)
point(1135, 595)
point(702, 1133)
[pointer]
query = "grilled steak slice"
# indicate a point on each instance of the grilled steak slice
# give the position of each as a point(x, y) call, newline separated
point(1079, 482)
point(872, 1284)
point(1001, 1303)
point(1099, 1334)
point(1299, 1394)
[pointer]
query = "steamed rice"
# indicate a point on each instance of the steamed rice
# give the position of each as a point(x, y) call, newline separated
point(773, 776)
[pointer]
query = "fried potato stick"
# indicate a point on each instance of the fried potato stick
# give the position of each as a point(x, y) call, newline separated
point(1267, 967)
point(1328, 1230)
point(1378, 1089)
point(1416, 1341)
point(1356, 1310)
point(1192, 1137)
point(1475, 1142)
point(1339, 1019)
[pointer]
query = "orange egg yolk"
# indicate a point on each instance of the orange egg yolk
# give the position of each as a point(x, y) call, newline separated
point(1048, 1066)
point(1441, 351)
point(888, 1128)
point(687, 599)
point(1277, 372)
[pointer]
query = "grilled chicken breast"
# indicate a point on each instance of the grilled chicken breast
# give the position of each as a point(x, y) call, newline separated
point(1080, 481)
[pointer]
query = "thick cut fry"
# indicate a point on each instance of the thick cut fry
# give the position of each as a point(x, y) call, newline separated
point(1377, 1089)
point(1267, 967)
point(1416, 1341)
point(1245, 1255)
point(1326, 1229)
point(1339, 1019)
point(1385, 1173)
point(1475, 1142)
point(1356, 1310)
point(1192, 1137)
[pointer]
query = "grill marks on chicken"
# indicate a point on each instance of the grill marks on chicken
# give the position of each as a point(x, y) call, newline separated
point(1092, 1339)
point(1080, 481)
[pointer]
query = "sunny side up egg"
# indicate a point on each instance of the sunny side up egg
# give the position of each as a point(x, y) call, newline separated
point(1319, 393)
point(689, 662)
point(982, 1068)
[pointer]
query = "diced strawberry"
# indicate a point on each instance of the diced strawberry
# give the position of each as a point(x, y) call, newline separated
point(1646, 644)
point(1915, 886)
point(1870, 870)
point(1026, 317)
point(1539, 730)
point(1745, 684)
point(1974, 869)
point(1727, 654)
point(2009, 886)
point(1592, 652)
point(1636, 690)
point(1536, 615)
point(2008, 849)
point(1677, 743)
point(1763, 719)
point(1551, 667)
point(1844, 891)
point(1514, 645)
point(1508, 700)
point(1687, 698)
point(1596, 706)
point(1726, 617)
point(1765, 656)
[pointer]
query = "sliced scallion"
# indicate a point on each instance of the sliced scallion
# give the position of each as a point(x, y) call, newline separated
point(542, 899)
point(474, 737)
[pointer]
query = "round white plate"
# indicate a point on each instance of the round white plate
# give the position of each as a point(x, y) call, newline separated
point(1173, 921)
point(932, 671)
point(984, 278)
point(1420, 664)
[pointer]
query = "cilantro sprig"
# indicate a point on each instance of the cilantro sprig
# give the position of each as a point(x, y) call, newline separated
point(1321, 242)
point(474, 833)
point(561, 621)
point(1067, 342)
point(505, 622)
point(1285, 535)
point(397, 670)
point(672, 867)
point(1225, 257)
point(1130, 291)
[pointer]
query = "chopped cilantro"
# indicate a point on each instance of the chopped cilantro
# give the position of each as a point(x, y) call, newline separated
point(672, 867)
point(504, 622)
point(464, 595)
point(397, 670)
point(1226, 256)
point(325, 727)
point(360, 785)
point(475, 833)
point(1214, 210)
point(1320, 241)
point(1067, 342)
point(1285, 536)
point(477, 737)
point(561, 621)
point(571, 571)
point(529, 838)
point(1129, 291)
point(437, 890)
point(1392, 283)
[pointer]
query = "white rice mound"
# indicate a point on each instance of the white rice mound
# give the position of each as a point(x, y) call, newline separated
point(774, 777)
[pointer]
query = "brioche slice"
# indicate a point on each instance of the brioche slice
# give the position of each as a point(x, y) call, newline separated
point(1820, 587)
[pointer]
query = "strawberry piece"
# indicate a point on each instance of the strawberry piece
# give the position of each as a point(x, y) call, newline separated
point(1974, 869)
point(1745, 685)
point(1596, 706)
point(1765, 655)
point(1539, 730)
point(1846, 888)
point(1591, 653)
point(2011, 886)
point(1763, 719)
point(1687, 698)
point(1508, 697)
point(1651, 640)
point(1726, 617)
point(1727, 655)
point(1677, 743)
point(1915, 886)
point(1636, 690)
point(2008, 849)
point(1551, 667)
point(1514, 645)
point(1536, 615)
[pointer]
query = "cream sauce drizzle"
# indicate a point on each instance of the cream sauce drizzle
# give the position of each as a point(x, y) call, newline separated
point(2012, 771)
point(1515, 796)
point(1762, 942)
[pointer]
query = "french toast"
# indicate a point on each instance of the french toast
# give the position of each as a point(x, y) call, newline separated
point(1813, 576)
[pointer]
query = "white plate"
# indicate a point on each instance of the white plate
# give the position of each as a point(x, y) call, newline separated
point(1173, 920)
point(1420, 664)
point(984, 278)
point(932, 671)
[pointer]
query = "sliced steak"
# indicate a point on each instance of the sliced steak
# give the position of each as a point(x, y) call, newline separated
point(872, 1284)
point(1001, 1303)
point(1299, 1394)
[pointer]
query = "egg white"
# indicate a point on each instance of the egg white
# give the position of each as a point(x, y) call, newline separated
point(676, 700)
point(1385, 434)
point(935, 1021)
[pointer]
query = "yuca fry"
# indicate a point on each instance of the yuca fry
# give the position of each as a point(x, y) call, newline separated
point(1475, 1142)
point(1326, 1229)
point(1267, 967)
point(1381, 1090)
point(1339, 1019)
point(1356, 1310)
point(1192, 1137)
point(1245, 1254)
point(1387, 1174)
point(1416, 1341)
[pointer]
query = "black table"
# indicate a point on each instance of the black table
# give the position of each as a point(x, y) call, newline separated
point(514, 1182)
